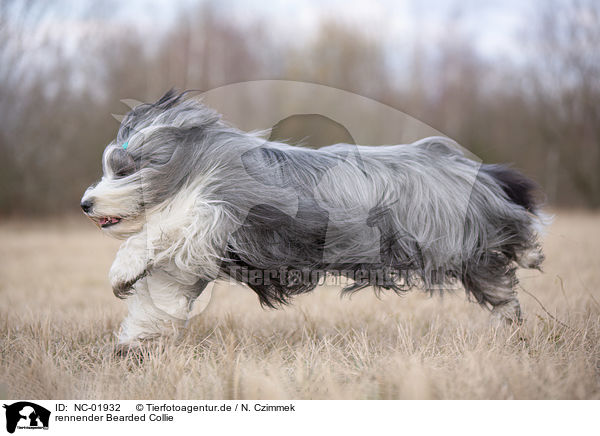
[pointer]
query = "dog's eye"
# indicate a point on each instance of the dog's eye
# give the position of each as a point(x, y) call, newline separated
point(121, 163)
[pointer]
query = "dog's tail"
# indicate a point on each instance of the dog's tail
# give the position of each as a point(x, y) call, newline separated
point(523, 192)
point(518, 188)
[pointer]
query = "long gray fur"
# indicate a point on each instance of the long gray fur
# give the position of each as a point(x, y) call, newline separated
point(400, 216)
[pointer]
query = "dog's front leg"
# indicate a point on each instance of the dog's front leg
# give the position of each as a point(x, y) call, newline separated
point(130, 265)
point(159, 307)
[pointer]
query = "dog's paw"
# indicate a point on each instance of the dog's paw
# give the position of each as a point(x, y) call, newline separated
point(124, 276)
point(124, 289)
point(508, 313)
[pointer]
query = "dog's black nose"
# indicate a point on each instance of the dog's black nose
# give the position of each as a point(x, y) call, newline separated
point(86, 205)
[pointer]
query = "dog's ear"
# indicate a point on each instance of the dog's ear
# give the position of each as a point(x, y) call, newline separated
point(169, 99)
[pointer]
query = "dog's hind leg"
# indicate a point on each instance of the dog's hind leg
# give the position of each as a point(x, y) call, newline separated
point(493, 285)
point(158, 307)
point(509, 311)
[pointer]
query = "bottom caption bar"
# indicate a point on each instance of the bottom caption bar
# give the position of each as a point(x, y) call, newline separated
point(305, 417)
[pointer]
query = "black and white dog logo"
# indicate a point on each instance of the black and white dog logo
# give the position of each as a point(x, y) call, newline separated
point(26, 415)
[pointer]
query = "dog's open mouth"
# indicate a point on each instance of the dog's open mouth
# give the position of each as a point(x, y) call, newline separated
point(107, 221)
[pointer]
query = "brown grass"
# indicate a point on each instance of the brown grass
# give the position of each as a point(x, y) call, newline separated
point(58, 317)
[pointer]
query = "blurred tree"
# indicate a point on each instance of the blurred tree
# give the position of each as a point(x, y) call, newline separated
point(59, 86)
point(564, 79)
point(342, 57)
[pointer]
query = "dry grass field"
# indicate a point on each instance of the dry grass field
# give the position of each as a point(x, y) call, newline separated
point(58, 317)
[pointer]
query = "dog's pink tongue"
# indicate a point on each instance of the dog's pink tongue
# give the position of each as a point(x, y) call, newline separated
point(103, 221)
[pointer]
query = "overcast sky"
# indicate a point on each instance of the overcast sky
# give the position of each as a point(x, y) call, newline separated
point(493, 25)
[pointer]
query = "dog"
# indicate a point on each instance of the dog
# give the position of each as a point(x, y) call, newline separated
point(197, 200)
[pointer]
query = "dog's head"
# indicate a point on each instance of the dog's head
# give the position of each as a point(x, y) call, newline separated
point(150, 160)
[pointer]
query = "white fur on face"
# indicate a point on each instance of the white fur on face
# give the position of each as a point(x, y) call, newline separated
point(113, 199)
point(117, 197)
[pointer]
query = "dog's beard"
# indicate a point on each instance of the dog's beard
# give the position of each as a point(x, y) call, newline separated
point(124, 228)
point(117, 208)
point(118, 227)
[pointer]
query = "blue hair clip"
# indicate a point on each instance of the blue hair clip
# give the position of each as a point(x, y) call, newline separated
point(125, 144)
